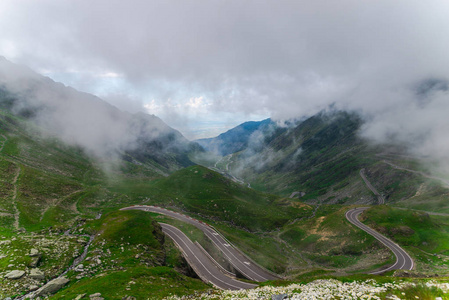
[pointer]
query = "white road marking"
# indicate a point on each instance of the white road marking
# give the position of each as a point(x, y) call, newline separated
point(352, 214)
point(192, 253)
point(216, 239)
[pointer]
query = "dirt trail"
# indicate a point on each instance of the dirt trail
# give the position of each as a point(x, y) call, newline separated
point(74, 208)
point(14, 199)
point(16, 213)
point(58, 201)
point(416, 172)
point(2, 143)
point(432, 213)
point(380, 198)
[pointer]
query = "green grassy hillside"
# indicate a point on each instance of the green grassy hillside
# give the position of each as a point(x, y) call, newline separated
point(317, 154)
point(136, 260)
point(48, 187)
point(55, 198)
point(424, 236)
point(322, 157)
point(331, 242)
point(45, 182)
point(206, 193)
point(129, 256)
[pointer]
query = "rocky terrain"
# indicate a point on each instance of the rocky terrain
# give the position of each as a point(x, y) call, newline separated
point(335, 289)
point(34, 259)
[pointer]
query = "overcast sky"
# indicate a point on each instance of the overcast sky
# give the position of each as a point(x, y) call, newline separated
point(204, 66)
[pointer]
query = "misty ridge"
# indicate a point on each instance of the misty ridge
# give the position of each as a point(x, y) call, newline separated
point(84, 120)
point(415, 119)
point(286, 145)
point(238, 138)
point(293, 60)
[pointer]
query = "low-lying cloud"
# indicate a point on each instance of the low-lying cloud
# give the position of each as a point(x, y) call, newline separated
point(77, 118)
point(284, 59)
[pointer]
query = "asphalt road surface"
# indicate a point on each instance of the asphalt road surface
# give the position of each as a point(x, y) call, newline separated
point(371, 187)
point(403, 260)
point(204, 267)
point(236, 258)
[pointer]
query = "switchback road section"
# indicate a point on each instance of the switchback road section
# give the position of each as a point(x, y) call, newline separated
point(236, 258)
point(403, 260)
point(203, 265)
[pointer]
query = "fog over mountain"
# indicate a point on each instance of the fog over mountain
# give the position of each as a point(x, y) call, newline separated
point(84, 120)
point(217, 60)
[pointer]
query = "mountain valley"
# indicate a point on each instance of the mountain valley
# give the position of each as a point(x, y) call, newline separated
point(278, 193)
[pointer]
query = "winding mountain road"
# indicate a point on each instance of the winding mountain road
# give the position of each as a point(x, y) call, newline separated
point(371, 187)
point(203, 265)
point(403, 260)
point(208, 270)
point(226, 172)
point(236, 258)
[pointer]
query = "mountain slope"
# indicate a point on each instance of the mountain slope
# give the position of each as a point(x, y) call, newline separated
point(83, 120)
point(237, 138)
point(321, 157)
point(204, 192)
point(65, 173)
point(294, 153)
point(58, 148)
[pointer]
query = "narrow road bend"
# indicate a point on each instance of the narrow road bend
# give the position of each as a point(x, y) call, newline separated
point(403, 260)
point(380, 199)
point(203, 266)
point(236, 258)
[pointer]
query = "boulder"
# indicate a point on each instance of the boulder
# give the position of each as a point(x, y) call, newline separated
point(37, 274)
point(52, 286)
point(96, 296)
point(15, 274)
point(79, 268)
point(79, 297)
point(33, 287)
point(279, 297)
point(35, 261)
point(34, 252)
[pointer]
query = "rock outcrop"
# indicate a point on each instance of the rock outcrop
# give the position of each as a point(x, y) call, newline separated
point(34, 252)
point(96, 296)
point(15, 274)
point(52, 286)
point(37, 274)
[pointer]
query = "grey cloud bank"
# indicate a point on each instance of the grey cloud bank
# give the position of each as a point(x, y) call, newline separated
point(285, 59)
point(80, 119)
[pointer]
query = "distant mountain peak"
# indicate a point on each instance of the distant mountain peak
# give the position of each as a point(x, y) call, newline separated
point(235, 139)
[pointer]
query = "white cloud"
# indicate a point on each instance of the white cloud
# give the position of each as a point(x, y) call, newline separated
point(197, 103)
point(110, 75)
point(245, 58)
point(8, 48)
